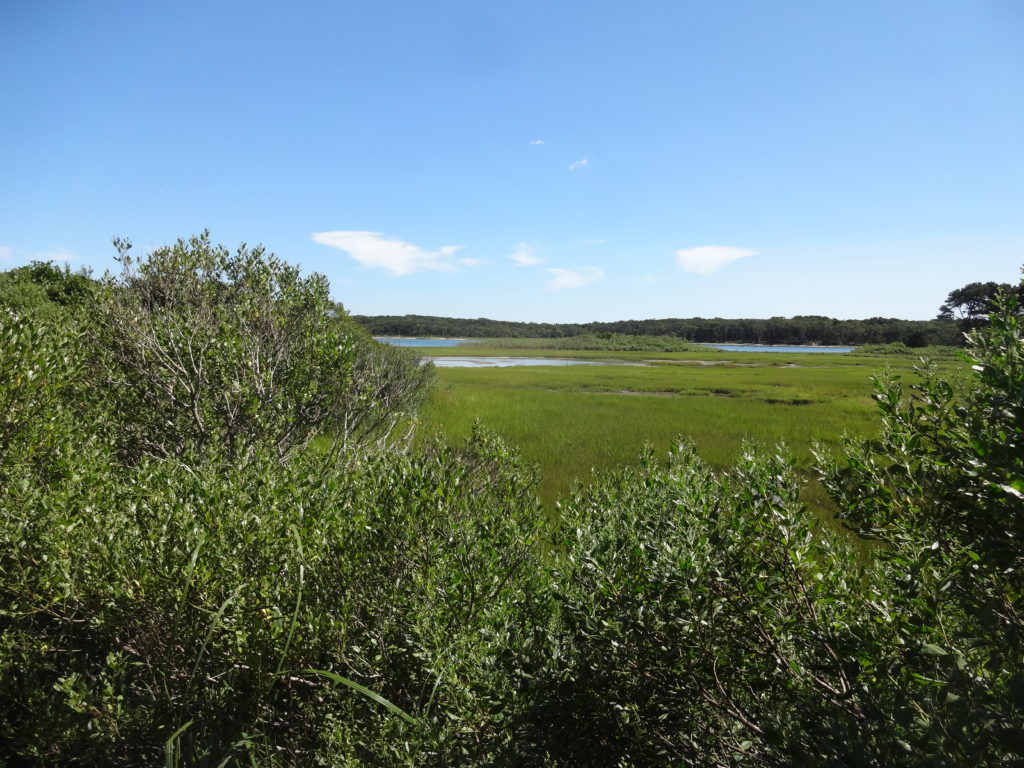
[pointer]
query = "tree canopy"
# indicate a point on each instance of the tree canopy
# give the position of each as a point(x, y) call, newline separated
point(975, 301)
point(44, 288)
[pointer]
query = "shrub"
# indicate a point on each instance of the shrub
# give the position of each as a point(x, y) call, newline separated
point(698, 622)
point(200, 349)
point(219, 615)
point(46, 291)
point(943, 489)
point(701, 619)
point(39, 427)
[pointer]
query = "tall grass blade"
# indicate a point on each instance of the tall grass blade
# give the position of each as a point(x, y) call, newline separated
point(298, 602)
point(213, 628)
point(171, 745)
point(190, 570)
point(363, 690)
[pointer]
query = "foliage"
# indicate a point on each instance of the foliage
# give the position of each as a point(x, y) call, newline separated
point(802, 329)
point(45, 290)
point(181, 579)
point(260, 611)
point(698, 622)
point(203, 349)
point(702, 621)
point(273, 605)
point(972, 304)
point(40, 365)
point(943, 488)
point(388, 386)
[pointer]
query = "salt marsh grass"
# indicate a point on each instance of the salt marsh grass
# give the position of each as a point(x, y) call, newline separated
point(571, 420)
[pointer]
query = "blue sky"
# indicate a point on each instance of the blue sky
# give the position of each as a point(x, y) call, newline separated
point(545, 161)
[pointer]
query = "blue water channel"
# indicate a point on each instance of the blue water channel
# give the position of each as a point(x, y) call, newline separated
point(402, 341)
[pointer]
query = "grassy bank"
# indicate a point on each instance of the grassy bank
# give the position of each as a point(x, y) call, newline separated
point(569, 420)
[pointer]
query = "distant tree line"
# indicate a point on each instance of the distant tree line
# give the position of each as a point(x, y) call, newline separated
point(802, 329)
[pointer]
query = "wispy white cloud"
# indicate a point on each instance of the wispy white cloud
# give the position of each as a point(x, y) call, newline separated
point(581, 163)
point(524, 255)
point(470, 262)
point(7, 253)
point(710, 258)
point(572, 278)
point(371, 249)
point(537, 143)
point(57, 254)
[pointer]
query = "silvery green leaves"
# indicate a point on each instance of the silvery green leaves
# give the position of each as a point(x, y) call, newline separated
point(941, 489)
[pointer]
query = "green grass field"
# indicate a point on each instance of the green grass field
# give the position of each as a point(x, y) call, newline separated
point(569, 420)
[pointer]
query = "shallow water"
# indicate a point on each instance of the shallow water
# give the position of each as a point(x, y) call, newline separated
point(403, 341)
point(773, 348)
point(507, 362)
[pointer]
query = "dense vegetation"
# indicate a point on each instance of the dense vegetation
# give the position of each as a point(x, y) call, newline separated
point(775, 330)
point(45, 290)
point(568, 420)
point(185, 577)
point(654, 391)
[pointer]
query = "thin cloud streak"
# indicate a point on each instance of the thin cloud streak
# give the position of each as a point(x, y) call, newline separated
point(57, 254)
point(562, 279)
point(581, 163)
point(524, 256)
point(707, 259)
point(7, 253)
point(537, 143)
point(374, 250)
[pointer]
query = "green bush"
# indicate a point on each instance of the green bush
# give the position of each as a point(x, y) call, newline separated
point(943, 489)
point(46, 291)
point(225, 595)
point(700, 619)
point(699, 622)
point(40, 428)
point(198, 349)
point(226, 602)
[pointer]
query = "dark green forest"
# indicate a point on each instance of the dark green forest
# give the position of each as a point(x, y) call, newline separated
point(776, 330)
point(218, 547)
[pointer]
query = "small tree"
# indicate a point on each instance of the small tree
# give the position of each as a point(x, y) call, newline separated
point(972, 304)
point(199, 348)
